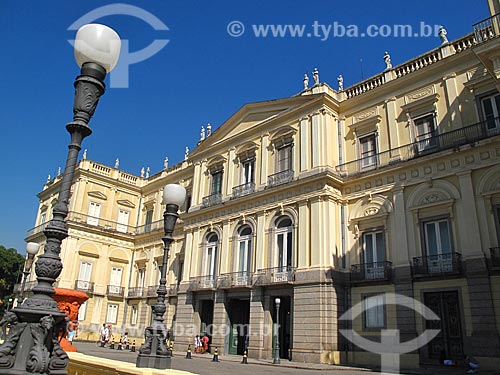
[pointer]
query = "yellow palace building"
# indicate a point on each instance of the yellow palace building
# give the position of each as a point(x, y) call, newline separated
point(326, 199)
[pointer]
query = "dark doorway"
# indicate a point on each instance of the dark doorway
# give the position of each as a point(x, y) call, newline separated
point(206, 318)
point(284, 331)
point(239, 319)
point(448, 342)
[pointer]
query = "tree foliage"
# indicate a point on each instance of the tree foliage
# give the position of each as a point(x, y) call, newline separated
point(11, 263)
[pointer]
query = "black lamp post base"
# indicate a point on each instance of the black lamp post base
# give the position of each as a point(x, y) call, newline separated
point(160, 362)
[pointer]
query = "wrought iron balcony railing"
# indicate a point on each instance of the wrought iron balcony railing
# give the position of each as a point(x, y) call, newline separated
point(212, 200)
point(495, 257)
point(425, 146)
point(280, 178)
point(136, 292)
point(242, 190)
point(152, 291)
point(487, 29)
point(28, 287)
point(440, 264)
point(148, 228)
point(106, 225)
point(38, 229)
point(376, 271)
point(84, 286)
point(115, 291)
point(202, 282)
point(234, 280)
point(277, 275)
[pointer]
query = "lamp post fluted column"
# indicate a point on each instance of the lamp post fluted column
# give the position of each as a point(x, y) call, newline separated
point(154, 353)
point(276, 359)
point(32, 344)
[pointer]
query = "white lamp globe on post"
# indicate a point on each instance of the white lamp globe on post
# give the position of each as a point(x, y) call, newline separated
point(97, 48)
point(155, 353)
point(276, 359)
point(31, 250)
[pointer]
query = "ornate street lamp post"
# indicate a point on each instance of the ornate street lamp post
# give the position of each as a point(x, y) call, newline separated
point(31, 345)
point(155, 353)
point(276, 359)
point(31, 250)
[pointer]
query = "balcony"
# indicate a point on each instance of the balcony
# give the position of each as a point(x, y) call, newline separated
point(102, 224)
point(242, 190)
point(280, 178)
point(152, 291)
point(115, 291)
point(495, 257)
point(435, 265)
point(28, 287)
point(212, 200)
point(136, 292)
point(234, 280)
point(425, 146)
point(487, 29)
point(84, 286)
point(277, 275)
point(38, 229)
point(368, 272)
point(148, 228)
point(207, 282)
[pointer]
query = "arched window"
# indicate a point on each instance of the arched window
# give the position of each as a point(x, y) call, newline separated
point(244, 252)
point(211, 254)
point(284, 243)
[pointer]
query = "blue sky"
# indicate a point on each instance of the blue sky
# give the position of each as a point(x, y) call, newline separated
point(201, 76)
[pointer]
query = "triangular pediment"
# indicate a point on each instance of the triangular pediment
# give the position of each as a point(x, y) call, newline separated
point(250, 117)
point(97, 194)
point(126, 203)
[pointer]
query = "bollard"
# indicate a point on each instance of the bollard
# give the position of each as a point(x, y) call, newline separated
point(120, 344)
point(216, 355)
point(112, 346)
point(132, 349)
point(245, 358)
point(188, 352)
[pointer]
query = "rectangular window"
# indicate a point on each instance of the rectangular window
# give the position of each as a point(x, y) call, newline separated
point(43, 218)
point(373, 254)
point(374, 312)
point(141, 278)
point(368, 151)
point(284, 158)
point(425, 132)
point(94, 213)
point(491, 108)
point(437, 237)
point(216, 182)
point(149, 220)
point(115, 280)
point(112, 313)
point(134, 312)
point(248, 171)
point(122, 224)
point(84, 275)
point(82, 312)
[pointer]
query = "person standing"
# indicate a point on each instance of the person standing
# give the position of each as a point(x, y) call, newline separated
point(205, 340)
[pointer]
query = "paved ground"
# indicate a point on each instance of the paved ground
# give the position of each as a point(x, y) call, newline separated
point(229, 365)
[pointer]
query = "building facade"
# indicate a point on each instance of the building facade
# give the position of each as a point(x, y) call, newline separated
point(322, 201)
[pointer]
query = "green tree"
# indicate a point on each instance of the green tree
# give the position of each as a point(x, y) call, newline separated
point(11, 263)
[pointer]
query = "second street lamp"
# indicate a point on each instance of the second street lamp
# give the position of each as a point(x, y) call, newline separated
point(32, 344)
point(276, 359)
point(155, 353)
point(31, 251)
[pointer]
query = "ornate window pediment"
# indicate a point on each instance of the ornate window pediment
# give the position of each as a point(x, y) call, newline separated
point(247, 151)
point(365, 121)
point(370, 211)
point(216, 164)
point(97, 194)
point(282, 137)
point(423, 99)
point(126, 203)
